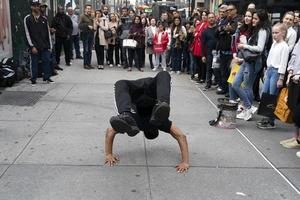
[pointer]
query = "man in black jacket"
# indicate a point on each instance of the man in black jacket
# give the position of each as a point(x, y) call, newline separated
point(225, 30)
point(63, 26)
point(39, 41)
point(143, 104)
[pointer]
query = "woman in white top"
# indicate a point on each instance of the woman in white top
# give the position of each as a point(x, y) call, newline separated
point(291, 37)
point(244, 80)
point(276, 67)
point(150, 32)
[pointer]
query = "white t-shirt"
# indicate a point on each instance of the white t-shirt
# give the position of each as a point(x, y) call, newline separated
point(278, 56)
point(291, 38)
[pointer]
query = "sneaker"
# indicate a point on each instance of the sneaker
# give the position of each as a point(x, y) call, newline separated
point(111, 65)
point(129, 69)
point(208, 86)
point(86, 67)
point(178, 72)
point(262, 122)
point(291, 145)
point(79, 57)
point(253, 109)
point(287, 140)
point(33, 82)
point(100, 67)
point(58, 68)
point(68, 64)
point(119, 65)
point(298, 154)
point(164, 69)
point(245, 115)
point(160, 113)
point(172, 72)
point(267, 125)
point(154, 69)
point(91, 67)
point(49, 81)
point(124, 123)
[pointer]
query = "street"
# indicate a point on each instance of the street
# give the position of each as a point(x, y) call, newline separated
point(53, 148)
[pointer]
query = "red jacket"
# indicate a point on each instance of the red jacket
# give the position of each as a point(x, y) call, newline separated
point(196, 45)
point(164, 39)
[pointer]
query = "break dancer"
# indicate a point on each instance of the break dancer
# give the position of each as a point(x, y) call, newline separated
point(143, 104)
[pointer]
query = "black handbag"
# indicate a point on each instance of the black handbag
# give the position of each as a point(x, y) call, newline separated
point(149, 42)
point(108, 34)
point(267, 105)
point(249, 56)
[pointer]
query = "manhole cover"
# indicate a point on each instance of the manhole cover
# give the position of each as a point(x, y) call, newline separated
point(20, 98)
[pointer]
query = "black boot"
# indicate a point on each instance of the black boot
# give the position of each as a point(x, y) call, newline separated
point(160, 113)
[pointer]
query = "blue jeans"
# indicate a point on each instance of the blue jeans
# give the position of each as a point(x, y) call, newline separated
point(87, 48)
point(192, 71)
point(244, 80)
point(45, 56)
point(270, 84)
point(176, 59)
point(75, 44)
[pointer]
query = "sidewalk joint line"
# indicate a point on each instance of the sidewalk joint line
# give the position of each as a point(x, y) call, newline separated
point(256, 149)
point(36, 132)
point(148, 171)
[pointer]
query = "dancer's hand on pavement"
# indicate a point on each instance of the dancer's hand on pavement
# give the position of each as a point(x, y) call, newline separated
point(111, 160)
point(182, 167)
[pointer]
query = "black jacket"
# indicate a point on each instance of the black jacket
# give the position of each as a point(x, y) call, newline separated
point(223, 36)
point(63, 25)
point(37, 32)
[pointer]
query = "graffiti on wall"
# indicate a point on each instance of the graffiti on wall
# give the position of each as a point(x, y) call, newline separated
point(5, 30)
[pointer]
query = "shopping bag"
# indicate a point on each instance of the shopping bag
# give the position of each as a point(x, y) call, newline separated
point(129, 43)
point(282, 110)
point(267, 105)
point(234, 70)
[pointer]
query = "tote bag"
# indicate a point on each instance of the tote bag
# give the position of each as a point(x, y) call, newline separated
point(129, 43)
point(282, 111)
point(267, 105)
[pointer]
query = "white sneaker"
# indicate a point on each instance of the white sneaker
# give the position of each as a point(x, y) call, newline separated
point(178, 72)
point(164, 69)
point(253, 109)
point(119, 65)
point(111, 65)
point(245, 115)
point(154, 69)
point(172, 72)
point(298, 154)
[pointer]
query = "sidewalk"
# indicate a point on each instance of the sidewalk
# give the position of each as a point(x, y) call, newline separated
point(54, 149)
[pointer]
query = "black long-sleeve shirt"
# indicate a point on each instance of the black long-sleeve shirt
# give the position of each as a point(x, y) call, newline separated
point(37, 32)
point(208, 40)
point(63, 25)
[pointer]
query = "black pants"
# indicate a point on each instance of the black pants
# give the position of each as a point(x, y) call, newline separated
point(124, 58)
point(150, 60)
point(142, 95)
point(209, 70)
point(136, 55)
point(225, 61)
point(63, 42)
point(111, 49)
point(100, 53)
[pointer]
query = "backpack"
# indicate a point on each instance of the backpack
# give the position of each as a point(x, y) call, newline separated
point(7, 76)
point(14, 65)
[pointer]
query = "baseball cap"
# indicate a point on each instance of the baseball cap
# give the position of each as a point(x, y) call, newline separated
point(34, 2)
point(44, 4)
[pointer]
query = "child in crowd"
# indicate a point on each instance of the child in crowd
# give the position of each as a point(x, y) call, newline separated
point(160, 43)
point(276, 67)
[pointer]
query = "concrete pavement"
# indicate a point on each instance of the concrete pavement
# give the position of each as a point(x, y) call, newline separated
point(54, 149)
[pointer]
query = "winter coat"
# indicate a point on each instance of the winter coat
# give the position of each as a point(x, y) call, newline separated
point(101, 25)
point(196, 45)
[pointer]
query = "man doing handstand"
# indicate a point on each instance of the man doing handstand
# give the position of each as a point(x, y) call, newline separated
point(143, 104)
